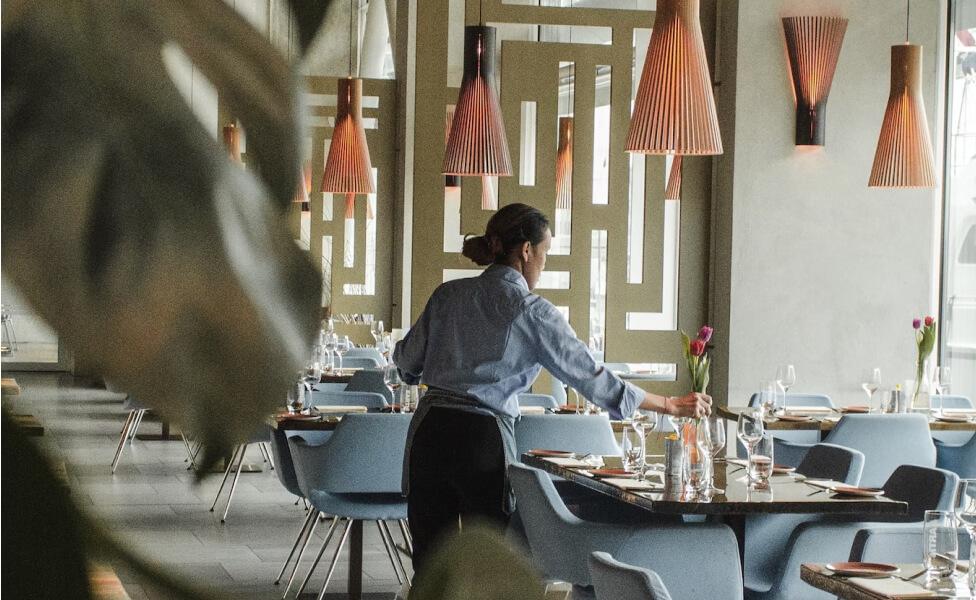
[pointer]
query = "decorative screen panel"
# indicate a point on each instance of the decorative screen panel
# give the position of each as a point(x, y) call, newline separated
point(639, 264)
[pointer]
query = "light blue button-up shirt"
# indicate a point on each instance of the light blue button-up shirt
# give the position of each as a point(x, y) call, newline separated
point(489, 337)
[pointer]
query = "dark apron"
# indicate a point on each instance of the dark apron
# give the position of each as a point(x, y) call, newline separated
point(438, 398)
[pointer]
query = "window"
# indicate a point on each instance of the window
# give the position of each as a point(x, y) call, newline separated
point(958, 335)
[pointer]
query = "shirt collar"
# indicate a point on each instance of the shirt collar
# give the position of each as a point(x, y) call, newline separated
point(507, 273)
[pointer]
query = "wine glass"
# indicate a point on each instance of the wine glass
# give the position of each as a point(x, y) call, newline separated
point(312, 371)
point(769, 398)
point(749, 428)
point(870, 385)
point(716, 442)
point(643, 423)
point(331, 341)
point(941, 380)
point(343, 345)
point(631, 448)
point(376, 328)
point(786, 377)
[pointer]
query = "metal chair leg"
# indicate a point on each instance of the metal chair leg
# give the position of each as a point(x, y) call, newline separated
point(396, 550)
point(390, 551)
point(405, 532)
point(135, 427)
point(308, 540)
point(318, 557)
point(335, 560)
point(122, 438)
point(267, 452)
point(230, 464)
point(309, 521)
point(233, 486)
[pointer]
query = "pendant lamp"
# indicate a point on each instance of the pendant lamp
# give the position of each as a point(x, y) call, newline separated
point(304, 188)
point(477, 144)
point(450, 181)
point(232, 141)
point(674, 110)
point(813, 47)
point(564, 164)
point(903, 158)
point(672, 190)
point(489, 196)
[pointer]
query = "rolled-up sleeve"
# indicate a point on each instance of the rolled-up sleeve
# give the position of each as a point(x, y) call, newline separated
point(409, 353)
point(564, 355)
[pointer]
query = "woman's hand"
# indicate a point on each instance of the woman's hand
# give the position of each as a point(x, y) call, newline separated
point(690, 405)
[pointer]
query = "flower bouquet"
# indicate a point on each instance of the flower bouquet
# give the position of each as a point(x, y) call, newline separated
point(925, 332)
point(697, 358)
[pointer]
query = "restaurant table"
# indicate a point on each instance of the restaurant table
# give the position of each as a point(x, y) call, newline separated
point(339, 376)
point(822, 578)
point(827, 421)
point(787, 495)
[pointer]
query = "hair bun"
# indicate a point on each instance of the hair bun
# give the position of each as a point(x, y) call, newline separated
point(478, 250)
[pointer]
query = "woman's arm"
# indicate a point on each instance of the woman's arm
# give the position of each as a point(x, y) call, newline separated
point(409, 353)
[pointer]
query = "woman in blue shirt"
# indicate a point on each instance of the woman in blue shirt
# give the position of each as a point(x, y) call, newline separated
point(478, 344)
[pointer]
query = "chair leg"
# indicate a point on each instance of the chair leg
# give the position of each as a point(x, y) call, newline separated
point(390, 551)
point(308, 540)
point(397, 550)
point(190, 458)
point(230, 464)
point(135, 427)
point(309, 521)
point(335, 560)
point(233, 486)
point(267, 455)
point(318, 557)
point(405, 532)
point(122, 437)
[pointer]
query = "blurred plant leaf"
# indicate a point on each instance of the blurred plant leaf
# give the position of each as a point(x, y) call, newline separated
point(156, 259)
point(476, 564)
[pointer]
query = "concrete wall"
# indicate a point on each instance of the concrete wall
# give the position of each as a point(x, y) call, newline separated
point(825, 273)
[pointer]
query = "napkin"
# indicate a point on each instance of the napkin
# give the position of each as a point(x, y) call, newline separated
point(340, 409)
point(808, 410)
point(891, 587)
point(532, 410)
point(633, 484)
point(569, 462)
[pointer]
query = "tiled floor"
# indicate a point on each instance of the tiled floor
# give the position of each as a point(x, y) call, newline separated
point(152, 502)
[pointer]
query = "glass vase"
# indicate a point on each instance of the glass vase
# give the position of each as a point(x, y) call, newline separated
point(696, 471)
point(920, 387)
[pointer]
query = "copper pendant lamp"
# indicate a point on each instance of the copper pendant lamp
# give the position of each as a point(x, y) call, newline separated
point(476, 144)
point(813, 46)
point(232, 141)
point(564, 164)
point(672, 190)
point(304, 188)
point(903, 158)
point(450, 181)
point(674, 110)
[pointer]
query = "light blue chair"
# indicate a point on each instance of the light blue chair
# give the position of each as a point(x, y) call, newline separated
point(357, 477)
point(789, 447)
point(587, 434)
point(561, 544)
point(948, 402)
point(613, 580)
point(543, 400)
point(887, 441)
point(890, 543)
point(821, 539)
point(557, 389)
point(360, 362)
point(371, 353)
point(371, 400)
point(370, 380)
point(767, 536)
point(961, 459)
point(330, 386)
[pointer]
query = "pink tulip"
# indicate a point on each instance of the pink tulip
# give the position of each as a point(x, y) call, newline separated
point(929, 321)
point(697, 347)
point(705, 333)
point(916, 323)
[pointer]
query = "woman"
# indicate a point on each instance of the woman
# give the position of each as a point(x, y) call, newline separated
point(478, 344)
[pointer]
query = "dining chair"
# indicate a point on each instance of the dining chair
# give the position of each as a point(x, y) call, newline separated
point(357, 477)
point(891, 543)
point(561, 544)
point(370, 380)
point(543, 400)
point(789, 447)
point(949, 402)
point(137, 411)
point(371, 400)
point(371, 353)
point(360, 362)
point(235, 464)
point(887, 441)
point(960, 459)
point(330, 386)
point(587, 434)
point(820, 539)
point(614, 580)
point(767, 536)
point(557, 389)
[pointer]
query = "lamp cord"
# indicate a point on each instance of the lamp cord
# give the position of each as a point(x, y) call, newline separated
point(908, 17)
point(351, 4)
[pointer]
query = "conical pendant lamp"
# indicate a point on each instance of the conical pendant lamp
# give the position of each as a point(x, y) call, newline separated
point(674, 110)
point(489, 195)
point(304, 188)
point(903, 158)
point(813, 47)
point(672, 190)
point(477, 144)
point(348, 169)
point(564, 164)
point(232, 141)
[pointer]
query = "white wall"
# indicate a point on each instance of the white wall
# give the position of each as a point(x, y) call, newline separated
point(827, 273)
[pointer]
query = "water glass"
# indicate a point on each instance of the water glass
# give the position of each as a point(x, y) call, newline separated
point(716, 443)
point(964, 508)
point(376, 329)
point(940, 544)
point(771, 398)
point(761, 462)
point(296, 398)
point(631, 448)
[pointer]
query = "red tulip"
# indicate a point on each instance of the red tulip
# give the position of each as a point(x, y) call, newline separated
point(697, 347)
point(929, 321)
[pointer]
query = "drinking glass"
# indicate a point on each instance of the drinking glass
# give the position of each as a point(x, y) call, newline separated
point(749, 428)
point(770, 399)
point(342, 346)
point(376, 328)
point(870, 385)
point(296, 398)
point(761, 462)
point(631, 448)
point(331, 341)
point(643, 423)
point(391, 377)
point(312, 371)
point(964, 508)
point(716, 435)
point(940, 544)
point(786, 377)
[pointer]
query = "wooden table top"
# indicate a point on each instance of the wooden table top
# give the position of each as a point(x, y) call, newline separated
point(822, 578)
point(827, 422)
point(786, 495)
